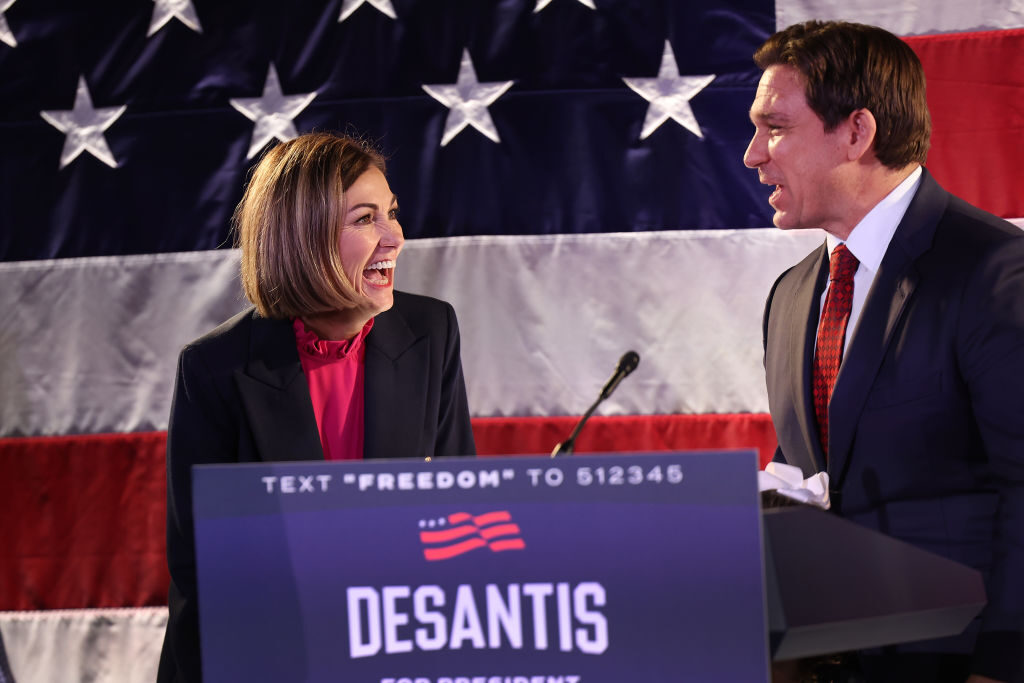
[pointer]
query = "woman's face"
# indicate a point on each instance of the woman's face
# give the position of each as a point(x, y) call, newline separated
point(371, 239)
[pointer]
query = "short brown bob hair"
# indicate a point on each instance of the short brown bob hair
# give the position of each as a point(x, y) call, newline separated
point(289, 222)
point(849, 66)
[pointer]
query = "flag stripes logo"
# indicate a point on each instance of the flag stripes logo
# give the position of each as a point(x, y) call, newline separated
point(494, 530)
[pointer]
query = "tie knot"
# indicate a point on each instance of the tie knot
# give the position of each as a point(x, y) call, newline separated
point(842, 263)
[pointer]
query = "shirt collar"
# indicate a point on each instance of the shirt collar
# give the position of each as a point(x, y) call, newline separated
point(870, 238)
point(310, 344)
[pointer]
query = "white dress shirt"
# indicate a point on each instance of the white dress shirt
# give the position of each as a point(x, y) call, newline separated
point(868, 241)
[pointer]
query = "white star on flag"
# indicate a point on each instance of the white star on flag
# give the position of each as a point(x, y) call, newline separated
point(6, 34)
point(84, 126)
point(165, 10)
point(669, 95)
point(541, 4)
point(273, 112)
point(467, 101)
point(350, 6)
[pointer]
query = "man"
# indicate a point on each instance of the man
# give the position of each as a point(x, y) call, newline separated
point(904, 377)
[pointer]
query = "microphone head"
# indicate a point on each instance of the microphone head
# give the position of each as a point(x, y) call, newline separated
point(628, 362)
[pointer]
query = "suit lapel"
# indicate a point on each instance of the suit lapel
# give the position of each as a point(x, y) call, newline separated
point(884, 307)
point(806, 311)
point(397, 370)
point(275, 395)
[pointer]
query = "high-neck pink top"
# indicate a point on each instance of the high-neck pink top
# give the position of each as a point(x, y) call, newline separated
point(335, 373)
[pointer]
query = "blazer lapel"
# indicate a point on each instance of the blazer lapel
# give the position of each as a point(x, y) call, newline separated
point(275, 395)
point(884, 306)
point(395, 391)
point(806, 311)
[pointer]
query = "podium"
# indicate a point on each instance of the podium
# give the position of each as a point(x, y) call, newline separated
point(834, 586)
point(653, 567)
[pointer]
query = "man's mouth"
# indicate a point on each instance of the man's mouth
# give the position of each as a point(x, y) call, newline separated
point(379, 273)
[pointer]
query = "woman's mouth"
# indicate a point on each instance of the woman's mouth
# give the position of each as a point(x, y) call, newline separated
point(379, 273)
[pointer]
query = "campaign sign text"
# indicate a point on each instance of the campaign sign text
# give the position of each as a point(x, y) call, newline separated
point(583, 569)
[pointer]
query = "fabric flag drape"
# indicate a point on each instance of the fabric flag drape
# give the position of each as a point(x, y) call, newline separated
point(571, 179)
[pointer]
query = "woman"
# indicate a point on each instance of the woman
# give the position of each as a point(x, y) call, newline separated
point(330, 362)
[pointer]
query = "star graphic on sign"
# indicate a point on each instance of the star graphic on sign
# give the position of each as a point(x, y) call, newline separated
point(467, 101)
point(165, 10)
point(350, 6)
point(541, 4)
point(273, 112)
point(6, 34)
point(669, 95)
point(84, 126)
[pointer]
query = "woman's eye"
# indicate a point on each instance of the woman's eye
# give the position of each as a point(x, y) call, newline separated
point(393, 214)
point(365, 219)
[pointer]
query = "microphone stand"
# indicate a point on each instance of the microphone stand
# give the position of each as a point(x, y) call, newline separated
point(566, 447)
point(627, 364)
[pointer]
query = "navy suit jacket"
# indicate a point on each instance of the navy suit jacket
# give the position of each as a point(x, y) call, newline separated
point(241, 396)
point(926, 422)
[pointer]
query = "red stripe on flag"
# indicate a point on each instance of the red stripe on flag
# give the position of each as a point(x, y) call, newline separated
point(449, 551)
point(507, 544)
point(492, 517)
point(500, 530)
point(82, 522)
point(82, 517)
point(445, 535)
point(626, 433)
point(976, 98)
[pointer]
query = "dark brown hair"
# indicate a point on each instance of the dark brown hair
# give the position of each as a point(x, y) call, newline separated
point(289, 221)
point(849, 66)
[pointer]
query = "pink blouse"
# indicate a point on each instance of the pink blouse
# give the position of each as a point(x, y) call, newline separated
point(334, 371)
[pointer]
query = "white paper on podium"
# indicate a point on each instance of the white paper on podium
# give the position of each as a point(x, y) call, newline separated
point(789, 481)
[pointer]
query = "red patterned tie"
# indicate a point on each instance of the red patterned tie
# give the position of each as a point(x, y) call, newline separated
point(832, 334)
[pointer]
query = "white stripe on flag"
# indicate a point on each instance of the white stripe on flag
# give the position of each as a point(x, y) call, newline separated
point(545, 319)
point(99, 645)
point(907, 19)
point(90, 344)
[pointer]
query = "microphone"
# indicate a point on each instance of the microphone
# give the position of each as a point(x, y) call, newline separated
point(627, 364)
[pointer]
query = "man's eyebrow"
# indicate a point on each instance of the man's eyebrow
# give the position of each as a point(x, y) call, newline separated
point(768, 117)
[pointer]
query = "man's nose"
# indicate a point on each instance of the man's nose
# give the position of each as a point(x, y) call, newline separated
point(757, 152)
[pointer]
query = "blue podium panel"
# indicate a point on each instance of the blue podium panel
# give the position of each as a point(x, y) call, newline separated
point(584, 569)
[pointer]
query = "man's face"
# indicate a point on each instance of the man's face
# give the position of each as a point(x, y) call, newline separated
point(791, 150)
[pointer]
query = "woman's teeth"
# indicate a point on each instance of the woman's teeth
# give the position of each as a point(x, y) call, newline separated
point(378, 273)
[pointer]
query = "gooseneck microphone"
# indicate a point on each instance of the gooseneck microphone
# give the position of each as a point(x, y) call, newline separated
point(627, 364)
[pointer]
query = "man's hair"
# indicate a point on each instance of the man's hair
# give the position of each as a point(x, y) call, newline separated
point(288, 225)
point(848, 66)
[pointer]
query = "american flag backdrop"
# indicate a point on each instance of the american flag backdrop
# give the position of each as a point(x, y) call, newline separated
point(570, 178)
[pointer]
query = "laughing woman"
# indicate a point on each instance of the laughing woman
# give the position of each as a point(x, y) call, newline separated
point(330, 362)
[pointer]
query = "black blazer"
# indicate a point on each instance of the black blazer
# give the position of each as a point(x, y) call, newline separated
point(926, 422)
point(241, 396)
